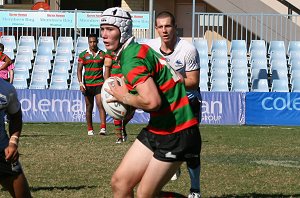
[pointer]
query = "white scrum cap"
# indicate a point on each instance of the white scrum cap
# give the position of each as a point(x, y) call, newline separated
point(120, 18)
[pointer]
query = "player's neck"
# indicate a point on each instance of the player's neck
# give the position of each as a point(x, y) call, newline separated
point(167, 48)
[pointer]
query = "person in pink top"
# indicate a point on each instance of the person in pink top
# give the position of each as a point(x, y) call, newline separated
point(6, 66)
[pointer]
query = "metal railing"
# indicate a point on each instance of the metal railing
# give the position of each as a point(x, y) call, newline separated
point(234, 26)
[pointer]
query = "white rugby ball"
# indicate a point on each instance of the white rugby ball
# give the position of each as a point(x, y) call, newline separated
point(116, 110)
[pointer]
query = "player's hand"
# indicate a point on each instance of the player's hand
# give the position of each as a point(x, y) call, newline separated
point(118, 91)
point(11, 153)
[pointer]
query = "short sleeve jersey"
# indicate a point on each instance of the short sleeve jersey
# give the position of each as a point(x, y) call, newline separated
point(116, 68)
point(93, 67)
point(8, 103)
point(138, 63)
point(183, 59)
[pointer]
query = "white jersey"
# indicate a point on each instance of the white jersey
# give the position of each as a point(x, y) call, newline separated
point(8, 103)
point(183, 59)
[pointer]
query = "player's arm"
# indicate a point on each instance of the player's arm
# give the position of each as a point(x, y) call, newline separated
point(11, 76)
point(191, 81)
point(108, 66)
point(7, 61)
point(192, 69)
point(79, 76)
point(148, 97)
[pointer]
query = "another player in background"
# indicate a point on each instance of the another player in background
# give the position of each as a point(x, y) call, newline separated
point(6, 66)
point(113, 69)
point(184, 58)
point(92, 61)
point(172, 135)
point(12, 177)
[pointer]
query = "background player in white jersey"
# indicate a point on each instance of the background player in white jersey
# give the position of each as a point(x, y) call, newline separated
point(12, 177)
point(184, 58)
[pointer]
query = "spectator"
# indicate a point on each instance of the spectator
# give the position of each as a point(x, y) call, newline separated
point(6, 66)
point(172, 135)
point(11, 174)
point(92, 60)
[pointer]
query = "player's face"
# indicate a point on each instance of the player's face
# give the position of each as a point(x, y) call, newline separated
point(111, 36)
point(93, 43)
point(165, 29)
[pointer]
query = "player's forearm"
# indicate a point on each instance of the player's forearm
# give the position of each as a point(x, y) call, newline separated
point(139, 102)
point(15, 124)
point(191, 84)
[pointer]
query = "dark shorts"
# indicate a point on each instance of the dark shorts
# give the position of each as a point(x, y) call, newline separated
point(181, 146)
point(8, 169)
point(92, 90)
point(195, 104)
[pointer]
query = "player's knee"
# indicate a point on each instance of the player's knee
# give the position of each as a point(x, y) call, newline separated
point(142, 192)
point(117, 184)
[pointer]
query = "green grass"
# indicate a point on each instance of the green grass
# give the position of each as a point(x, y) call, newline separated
point(60, 160)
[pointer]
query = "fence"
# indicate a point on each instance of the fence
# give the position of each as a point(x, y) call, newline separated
point(62, 23)
point(235, 26)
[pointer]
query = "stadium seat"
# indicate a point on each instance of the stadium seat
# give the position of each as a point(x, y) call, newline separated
point(218, 53)
point(65, 41)
point(204, 63)
point(260, 85)
point(79, 50)
point(203, 75)
point(276, 46)
point(219, 74)
point(239, 45)
point(295, 83)
point(293, 46)
point(240, 85)
point(74, 84)
point(21, 69)
point(38, 82)
point(259, 45)
point(203, 86)
point(259, 74)
point(278, 64)
point(82, 42)
point(9, 52)
point(280, 85)
point(219, 85)
point(239, 73)
point(60, 70)
point(9, 41)
point(258, 54)
point(259, 64)
point(27, 41)
point(295, 65)
point(23, 60)
point(41, 71)
point(20, 81)
point(26, 51)
point(277, 55)
point(279, 73)
point(238, 54)
point(239, 64)
point(43, 60)
point(295, 74)
point(142, 40)
point(64, 51)
point(294, 55)
point(219, 63)
point(58, 82)
point(202, 47)
point(219, 45)
point(45, 50)
point(46, 41)
point(62, 61)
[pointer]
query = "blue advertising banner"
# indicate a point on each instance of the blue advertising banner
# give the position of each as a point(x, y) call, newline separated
point(272, 108)
point(224, 108)
point(61, 106)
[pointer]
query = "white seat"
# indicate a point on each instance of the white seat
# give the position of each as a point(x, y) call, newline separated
point(64, 51)
point(9, 41)
point(21, 69)
point(239, 63)
point(276, 46)
point(240, 85)
point(203, 75)
point(202, 47)
point(239, 45)
point(293, 46)
point(58, 82)
point(239, 73)
point(219, 73)
point(260, 85)
point(238, 54)
point(46, 41)
point(279, 73)
point(40, 70)
point(65, 41)
point(280, 85)
point(45, 50)
point(27, 41)
point(38, 82)
point(43, 60)
point(258, 54)
point(219, 63)
point(204, 63)
point(20, 81)
point(219, 85)
point(295, 83)
point(23, 60)
point(26, 51)
point(258, 45)
point(218, 53)
point(259, 64)
point(74, 84)
point(219, 45)
point(62, 61)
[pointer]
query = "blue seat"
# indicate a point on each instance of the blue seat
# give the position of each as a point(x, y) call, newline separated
point(21, 69)
point(27, 41)
point(239, 73)
point(238, 54)
point(41, 71)
point(44, 50)
point(220, 74)
point(295, 74)
point(26, 51)
point(203, 75)
point(280, 85)
point(295, 85)
point(219, 63)
point(202, 47)
point(219, 85)
point(82, 41)
point(43, 60)
point(65, 41)
point(293, 46)
point(240, 85)
point(239, 45)
point(294, 55)
point(259, 45)
point(278, 64)
point(46, 41)
point(64, 51)
point(203, 86)
point(20, 81)
point(259, 74)
point(9, 41)
point(276, 46)
point(38, 82)
point(258, 54)
point(58, 82)
point(74, 84)
point(218, 53)
point(239, 64)
point(61, 71)
point(204, 63)
point(295, 65)
point(279, 73)
point(260, 85)
point(259, 64)
point(219, 45)
point(23, 60)
point(277, 55)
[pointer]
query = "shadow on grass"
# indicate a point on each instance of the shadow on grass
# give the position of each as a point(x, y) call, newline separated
point(165, 194)
point(257, 195)
point(50, 188)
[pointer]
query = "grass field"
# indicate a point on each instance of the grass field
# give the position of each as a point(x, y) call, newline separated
point(60, 160)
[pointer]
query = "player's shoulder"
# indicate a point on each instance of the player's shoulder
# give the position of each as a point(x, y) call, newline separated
point(6, 90)
point(186, 44)
point(81, 54)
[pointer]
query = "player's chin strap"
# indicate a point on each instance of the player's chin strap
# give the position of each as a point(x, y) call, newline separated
point(119, 52)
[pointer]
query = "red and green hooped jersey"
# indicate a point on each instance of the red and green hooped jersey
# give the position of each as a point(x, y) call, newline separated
point(116, 68)
point(139, 62)
point(93, 67)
